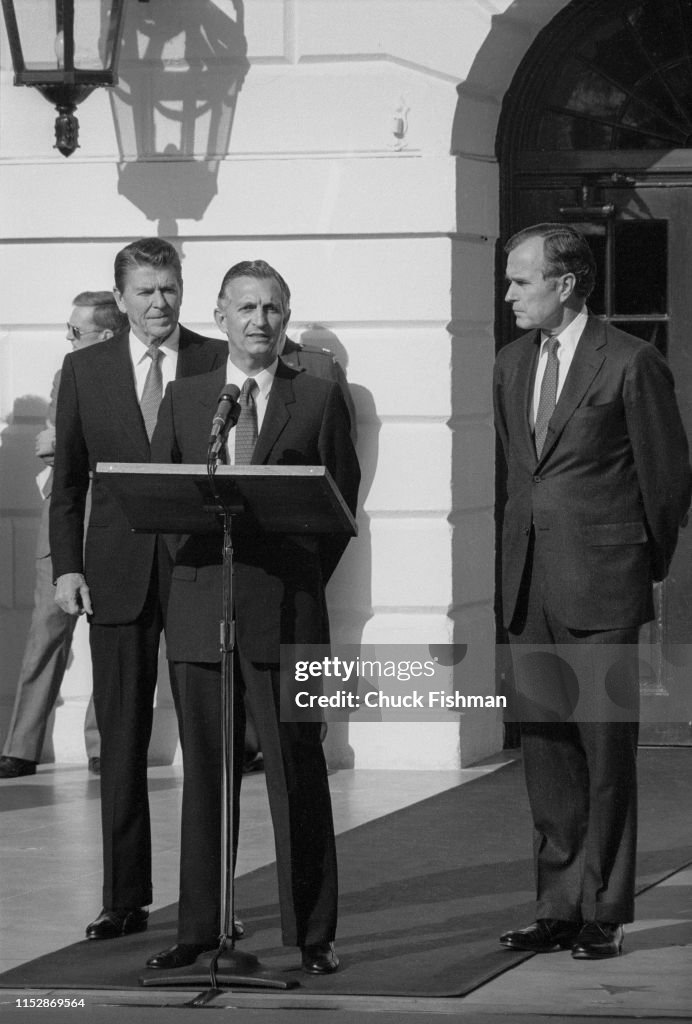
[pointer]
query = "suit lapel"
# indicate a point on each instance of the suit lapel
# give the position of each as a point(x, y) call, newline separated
point(281, 398)
point(118, 386)
point(587, 361)
point(199, 413)
point(521, 386)
point(210, 388)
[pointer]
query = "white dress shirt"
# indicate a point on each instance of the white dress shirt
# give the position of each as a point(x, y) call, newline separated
point(569, 339)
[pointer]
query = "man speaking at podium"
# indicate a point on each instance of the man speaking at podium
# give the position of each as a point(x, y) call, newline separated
point(289, 418)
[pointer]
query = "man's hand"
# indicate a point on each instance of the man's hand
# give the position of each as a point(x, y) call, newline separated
point(72, 594)
point(45, 445)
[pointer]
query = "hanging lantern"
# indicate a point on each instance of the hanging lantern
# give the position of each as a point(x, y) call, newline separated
point(65, 49)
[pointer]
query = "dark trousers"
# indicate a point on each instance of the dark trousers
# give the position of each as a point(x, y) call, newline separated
point(580, 775)
point(125, 661)
point(299, 801)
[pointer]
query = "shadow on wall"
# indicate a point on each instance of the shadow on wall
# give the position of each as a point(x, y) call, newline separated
point(349, 593)
point(20, 513)
point(174, 114)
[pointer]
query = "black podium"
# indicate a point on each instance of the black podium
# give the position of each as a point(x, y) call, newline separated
point(163, 498)
point(182, 499)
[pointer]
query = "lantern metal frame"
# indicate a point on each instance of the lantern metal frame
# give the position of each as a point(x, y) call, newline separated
point(67, 86)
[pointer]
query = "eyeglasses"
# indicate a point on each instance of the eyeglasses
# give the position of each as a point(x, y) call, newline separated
point(78, 333)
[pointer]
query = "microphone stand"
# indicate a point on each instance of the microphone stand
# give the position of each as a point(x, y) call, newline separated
point(225, 966)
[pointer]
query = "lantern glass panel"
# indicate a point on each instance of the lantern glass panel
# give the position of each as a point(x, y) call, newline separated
point(40, 25)
point(39, 34)
point(91, 34)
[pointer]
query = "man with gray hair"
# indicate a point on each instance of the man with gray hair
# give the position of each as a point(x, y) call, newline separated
point(598, 484)
point(95, 317)
point(287, 417)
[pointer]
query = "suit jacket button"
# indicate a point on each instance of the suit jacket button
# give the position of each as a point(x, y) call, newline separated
point(537, 479)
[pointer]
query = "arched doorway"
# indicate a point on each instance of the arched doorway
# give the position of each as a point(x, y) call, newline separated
point(596, 130)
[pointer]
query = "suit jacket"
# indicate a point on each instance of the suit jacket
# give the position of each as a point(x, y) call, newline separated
point(612, 486)
point(278, 583)
point(99, 420)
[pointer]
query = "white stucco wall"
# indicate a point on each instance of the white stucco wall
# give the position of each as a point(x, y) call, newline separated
point(387, 243)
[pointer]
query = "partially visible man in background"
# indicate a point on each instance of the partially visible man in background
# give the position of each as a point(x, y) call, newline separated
point(319, 362)
point(107, 408)
point(94, 318)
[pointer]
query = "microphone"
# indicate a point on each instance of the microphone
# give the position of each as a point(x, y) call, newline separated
point(226, 416)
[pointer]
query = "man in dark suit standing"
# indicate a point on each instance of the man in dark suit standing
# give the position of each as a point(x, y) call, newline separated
point(287, 418)
point(107, 406)
point(598, 485)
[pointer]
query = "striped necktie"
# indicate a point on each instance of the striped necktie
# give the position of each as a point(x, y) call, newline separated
point(153, 390)
point(246, 428)
point(547, 397)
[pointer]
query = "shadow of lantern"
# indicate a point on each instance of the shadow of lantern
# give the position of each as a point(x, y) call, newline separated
point(181, 69)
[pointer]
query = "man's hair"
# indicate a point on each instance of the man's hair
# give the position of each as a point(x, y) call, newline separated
point(146, 252)
point(259, 269)
point(565, 251)
point(104, 310)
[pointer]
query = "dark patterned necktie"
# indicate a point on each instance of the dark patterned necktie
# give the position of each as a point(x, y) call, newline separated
point(548, 396)
point(153, 390)
point(246, 428)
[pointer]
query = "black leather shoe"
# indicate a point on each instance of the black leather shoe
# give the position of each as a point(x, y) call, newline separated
point(111, 924)
point(182, 954)
point(15, 767)
point(598, 940)
point(320, 958)
point(95, 765)
point(546, 935)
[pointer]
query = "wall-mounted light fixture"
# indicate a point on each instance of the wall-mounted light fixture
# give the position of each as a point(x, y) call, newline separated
point(65, 49)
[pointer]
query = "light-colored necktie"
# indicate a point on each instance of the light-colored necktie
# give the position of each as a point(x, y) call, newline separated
point(246, 428)
point(153, 390)
point(547, 397)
